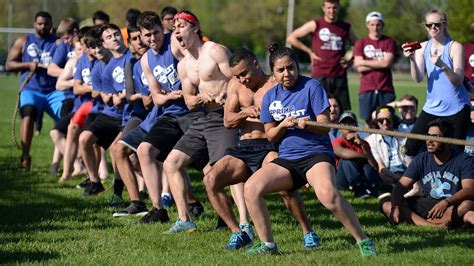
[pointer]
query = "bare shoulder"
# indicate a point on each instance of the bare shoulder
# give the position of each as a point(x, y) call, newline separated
point(215, 49)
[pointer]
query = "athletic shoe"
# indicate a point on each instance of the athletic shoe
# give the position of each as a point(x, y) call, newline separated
point(247, 228)
point(261, 248)
point(195, 209)
point(384, 195)
point(182, 226)
point(311, 240)
point(238, 240)
point(167, 201)
point(93, 189)
point(137, 209)
point(116, 202)
point(221, 225)
point(84, 184)
point(155, 215)
point(143, 195)
point(367, 247)
point(25, 162)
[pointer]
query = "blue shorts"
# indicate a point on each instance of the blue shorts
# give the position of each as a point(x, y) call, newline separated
point(133, 138)
point(369, 101)
point(51, 102)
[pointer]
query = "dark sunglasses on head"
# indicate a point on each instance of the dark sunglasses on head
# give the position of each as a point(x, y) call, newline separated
point(430, 25)
point(381, 120)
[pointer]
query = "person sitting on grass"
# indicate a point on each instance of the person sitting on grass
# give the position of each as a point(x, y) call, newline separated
point(407, 107)
point(447, 177)
point(356, 166)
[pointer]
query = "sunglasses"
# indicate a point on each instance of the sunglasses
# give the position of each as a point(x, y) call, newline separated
point(436, 24)
point(381, 120)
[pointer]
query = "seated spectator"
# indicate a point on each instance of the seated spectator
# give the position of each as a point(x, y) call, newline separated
point(334, 112)
point(356, 166)
point(387, 149)
point(447, 178)
point(407, 107)
point(470, 133)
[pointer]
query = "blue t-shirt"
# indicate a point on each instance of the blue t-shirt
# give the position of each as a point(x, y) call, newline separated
point(155, 113)
point(64, 51)
point(114, 81)
point(141, 86)
point(39, 50)
point(306, 99)
point(83, 73)
point(163, 65)
point(97, 79)
point(441, 181)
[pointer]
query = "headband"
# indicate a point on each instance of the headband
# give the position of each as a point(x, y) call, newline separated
point(187, 17)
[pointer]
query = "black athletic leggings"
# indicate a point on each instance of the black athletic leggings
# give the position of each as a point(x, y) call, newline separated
point(460, 120)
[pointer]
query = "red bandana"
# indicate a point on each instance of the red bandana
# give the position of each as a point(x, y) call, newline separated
point(187, 17)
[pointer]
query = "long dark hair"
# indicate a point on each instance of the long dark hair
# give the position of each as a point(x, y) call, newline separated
point(277, 52)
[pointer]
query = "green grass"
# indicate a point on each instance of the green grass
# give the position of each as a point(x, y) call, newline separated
point(42, 221)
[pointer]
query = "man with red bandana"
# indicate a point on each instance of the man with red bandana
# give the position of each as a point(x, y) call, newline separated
point(329, 37)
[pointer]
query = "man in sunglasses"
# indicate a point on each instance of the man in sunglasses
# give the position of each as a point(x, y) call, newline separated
point(447, 177)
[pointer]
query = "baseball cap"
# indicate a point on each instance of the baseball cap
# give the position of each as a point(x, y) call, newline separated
point(348, 116)
point(374, 15)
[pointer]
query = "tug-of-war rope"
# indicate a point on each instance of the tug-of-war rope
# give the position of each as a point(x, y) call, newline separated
point(452, 141)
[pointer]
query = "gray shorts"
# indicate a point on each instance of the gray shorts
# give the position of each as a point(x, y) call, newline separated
point(207, 135)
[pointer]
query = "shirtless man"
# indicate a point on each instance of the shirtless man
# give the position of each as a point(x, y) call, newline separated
point(244, 98)
point(204, 73)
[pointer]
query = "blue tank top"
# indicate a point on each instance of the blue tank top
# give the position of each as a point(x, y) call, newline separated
point(114, 81)
point(39, 50)
point(443, 98)
point(163, 65)
point(83, 73)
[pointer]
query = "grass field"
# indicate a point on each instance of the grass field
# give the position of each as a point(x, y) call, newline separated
point(44, 222)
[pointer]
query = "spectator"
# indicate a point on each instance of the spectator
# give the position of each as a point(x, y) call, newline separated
point(167, 15)
point(448, 185)
point(407, 107)
point(469, 58)
point(334, 112)
point(356, 166)
point(373, 58)
point(100, 18)
point(387, 150)
point(131, 18)
point(442, 59)
point(330, 36)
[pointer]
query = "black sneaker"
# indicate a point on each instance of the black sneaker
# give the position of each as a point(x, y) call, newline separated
point(143, 195)
point(93, 189)
point(155, 215)
point(84, 184)
point(221, 225)
point(137, 209)
point(195, 209)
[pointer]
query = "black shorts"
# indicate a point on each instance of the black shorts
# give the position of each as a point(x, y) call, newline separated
point(299, 167)
point(168, 130)
point(252, 152)
point(63, 123)
point(90, 120)
point(106, 129)
point(133, 138)
point(208, 135)
point(422, 206)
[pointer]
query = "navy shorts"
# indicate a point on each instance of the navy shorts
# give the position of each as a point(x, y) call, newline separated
point(252, 152)
point(369, 101)
point(133, 138)
point(299, 167)
point(422, 206)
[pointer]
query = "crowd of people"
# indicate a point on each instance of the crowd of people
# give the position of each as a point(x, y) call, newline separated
point(161, 98)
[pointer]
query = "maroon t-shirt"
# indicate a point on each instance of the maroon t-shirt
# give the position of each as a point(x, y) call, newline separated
point(329, 43)
point(381, 78)
point(469, 60)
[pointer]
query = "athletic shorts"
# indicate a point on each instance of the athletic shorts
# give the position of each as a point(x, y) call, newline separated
point(132, 123)
point(252, 152)
point(208, 135)
point(89, 121)
point(133, 138)
point(422, 206)
point(106, 129)
point(63, 123)
point(299, 167)
point(369, 101)
point(82, 113)
point(168, 130)
point(44, 102)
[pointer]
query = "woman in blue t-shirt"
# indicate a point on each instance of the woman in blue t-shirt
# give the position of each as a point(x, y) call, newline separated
point(305, 152)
